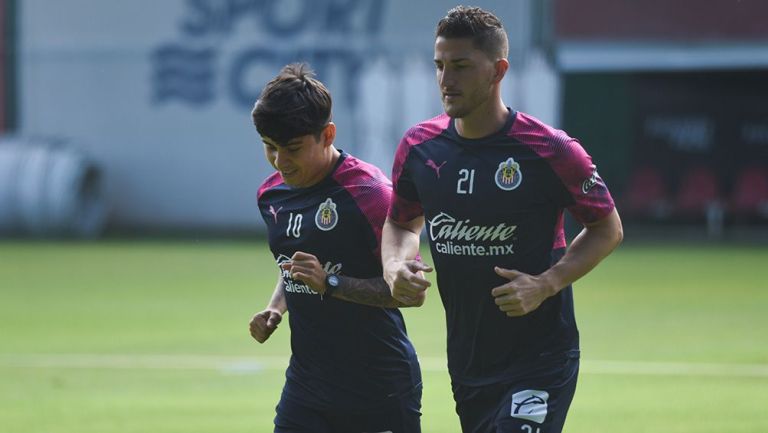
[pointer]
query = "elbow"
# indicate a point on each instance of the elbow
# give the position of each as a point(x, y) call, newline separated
point(618, 233)
point(619, 237)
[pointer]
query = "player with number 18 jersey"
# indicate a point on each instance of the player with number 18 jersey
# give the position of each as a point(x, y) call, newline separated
point(346, 357)
point(352, 368)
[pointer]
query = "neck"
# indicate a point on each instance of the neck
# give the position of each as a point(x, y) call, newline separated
point(484, 121)
point(332, 157)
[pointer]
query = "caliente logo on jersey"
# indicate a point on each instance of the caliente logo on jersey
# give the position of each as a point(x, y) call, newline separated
point(530, 404)
point(508, 176)
point(326, 216)
point(460, 237)
point(297, 286)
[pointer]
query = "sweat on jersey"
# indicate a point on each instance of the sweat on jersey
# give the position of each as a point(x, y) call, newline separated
point(342, 354)
point(497, 201)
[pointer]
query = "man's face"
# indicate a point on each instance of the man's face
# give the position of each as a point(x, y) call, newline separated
point(464, 74)
point(301, 161)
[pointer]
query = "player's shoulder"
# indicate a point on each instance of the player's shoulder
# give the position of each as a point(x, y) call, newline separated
point(426, 130)
point(354, 172)
point(544, 139)
point(272, 181)
point(528, 128)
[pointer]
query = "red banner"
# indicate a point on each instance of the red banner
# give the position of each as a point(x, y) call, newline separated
point(650, 20)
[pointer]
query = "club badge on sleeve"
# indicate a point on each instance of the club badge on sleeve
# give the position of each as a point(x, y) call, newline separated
point(326, 217)
point(589, 183)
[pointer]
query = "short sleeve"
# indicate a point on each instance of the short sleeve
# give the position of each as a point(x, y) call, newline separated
point(405, 204)
point(373, 202)
point(587, 198)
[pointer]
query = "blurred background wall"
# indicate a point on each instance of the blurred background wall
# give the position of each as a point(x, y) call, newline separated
point(670, 99)
point(667, 96)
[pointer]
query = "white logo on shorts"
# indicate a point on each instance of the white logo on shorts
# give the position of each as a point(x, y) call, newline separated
point(530, 404)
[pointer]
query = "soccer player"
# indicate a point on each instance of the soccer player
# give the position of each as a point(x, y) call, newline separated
point(352, 367)
point(491, 184)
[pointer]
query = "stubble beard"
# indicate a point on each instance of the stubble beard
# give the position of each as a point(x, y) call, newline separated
point(455, 111)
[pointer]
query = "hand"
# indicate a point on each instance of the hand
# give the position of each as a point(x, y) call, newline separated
point(522, 294)
point(264, 324)
point(306, 268)
point(407, 282)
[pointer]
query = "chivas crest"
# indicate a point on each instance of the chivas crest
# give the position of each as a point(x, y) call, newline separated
point(508, 176)
point(326, 216)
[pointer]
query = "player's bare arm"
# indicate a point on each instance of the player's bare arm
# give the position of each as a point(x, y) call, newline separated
point(402, 272)
point(524, 293)
point(374, 292)
point(589, 248)
point(263, 324)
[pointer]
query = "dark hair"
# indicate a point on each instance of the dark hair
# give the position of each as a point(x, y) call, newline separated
point(293, 104)
point(484, 28)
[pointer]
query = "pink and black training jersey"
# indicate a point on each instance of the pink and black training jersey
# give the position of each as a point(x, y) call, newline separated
point(497, 201)
point(343, 354)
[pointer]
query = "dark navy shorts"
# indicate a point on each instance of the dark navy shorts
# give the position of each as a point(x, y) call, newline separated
point(399, 414)
point(536, 403)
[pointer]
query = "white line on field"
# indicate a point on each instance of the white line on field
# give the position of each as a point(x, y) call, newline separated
point(243, 364)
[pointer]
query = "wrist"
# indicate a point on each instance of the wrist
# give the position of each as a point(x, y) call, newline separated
point(388, 263)
point(330, 284)
point(389, 268)
point(552, 283)
point(323, 284)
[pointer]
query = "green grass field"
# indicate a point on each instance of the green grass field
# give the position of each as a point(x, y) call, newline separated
point(123, 337)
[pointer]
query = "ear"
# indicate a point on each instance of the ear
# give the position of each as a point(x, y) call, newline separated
point(501, 67)
point(329, 134)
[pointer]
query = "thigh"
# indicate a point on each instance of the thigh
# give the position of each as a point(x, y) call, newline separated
point(539, 405)
point(477, 406)
point(293, 417)
point(401, 414)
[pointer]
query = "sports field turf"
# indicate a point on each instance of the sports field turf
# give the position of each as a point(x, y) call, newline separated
point(152, 337)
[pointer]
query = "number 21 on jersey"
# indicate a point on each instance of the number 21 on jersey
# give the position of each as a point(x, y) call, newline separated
point(466, 183)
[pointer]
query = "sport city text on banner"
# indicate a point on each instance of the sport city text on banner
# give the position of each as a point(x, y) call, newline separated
point(325, 33)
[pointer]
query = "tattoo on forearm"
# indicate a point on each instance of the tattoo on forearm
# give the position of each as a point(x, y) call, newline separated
point(372, 291)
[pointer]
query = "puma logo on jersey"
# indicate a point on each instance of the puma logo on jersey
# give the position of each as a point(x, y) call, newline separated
point(274, 212)
point(431, 164)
